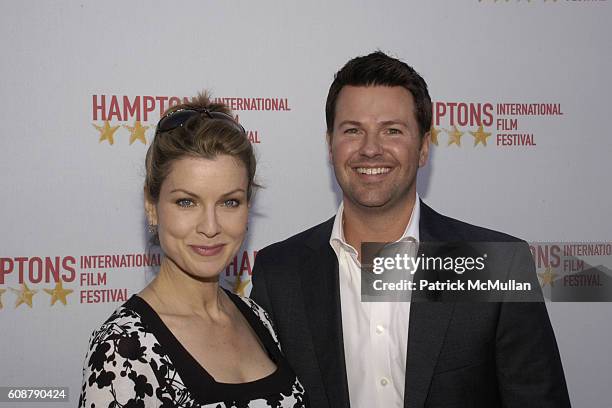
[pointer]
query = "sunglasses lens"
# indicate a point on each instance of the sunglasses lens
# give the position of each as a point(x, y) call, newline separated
point(179, 118)
point(226, 117)
point(175, 120)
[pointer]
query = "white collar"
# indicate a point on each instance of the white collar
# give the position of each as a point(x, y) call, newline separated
point(410, 233)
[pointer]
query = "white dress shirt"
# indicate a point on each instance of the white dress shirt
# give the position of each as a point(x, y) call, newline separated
point(375, 333)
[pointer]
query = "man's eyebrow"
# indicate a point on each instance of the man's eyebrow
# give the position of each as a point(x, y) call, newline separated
point(394, 122)
point(349, 122)
point(383, 123)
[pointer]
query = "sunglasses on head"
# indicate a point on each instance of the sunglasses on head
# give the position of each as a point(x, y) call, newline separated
point(179, 117)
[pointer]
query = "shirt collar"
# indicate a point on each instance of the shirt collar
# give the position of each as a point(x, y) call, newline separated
point(337, 241)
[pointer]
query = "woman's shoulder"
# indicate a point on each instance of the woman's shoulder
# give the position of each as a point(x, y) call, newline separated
point(261, 314)
point(124, 361)
point(123, 336)
point(123, 322)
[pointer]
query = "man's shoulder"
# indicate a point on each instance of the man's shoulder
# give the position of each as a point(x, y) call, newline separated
point(444, 228)
point(311, 238)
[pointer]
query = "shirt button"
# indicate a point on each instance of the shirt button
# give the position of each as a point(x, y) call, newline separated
point(384, 381)
point(380, 329)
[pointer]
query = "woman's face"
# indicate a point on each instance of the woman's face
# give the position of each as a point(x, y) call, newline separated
point(201, 214)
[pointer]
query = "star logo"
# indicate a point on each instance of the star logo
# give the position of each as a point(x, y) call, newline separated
point(58, 293)
point(107, 132)
point(24, 295)
point(480, 136)
point(137, 132)
point(240, 285)
point(548, 277)
point(455, 136)
point(434, 132)
point(1, 292)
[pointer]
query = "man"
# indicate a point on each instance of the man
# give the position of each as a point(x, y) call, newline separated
point(393, 354)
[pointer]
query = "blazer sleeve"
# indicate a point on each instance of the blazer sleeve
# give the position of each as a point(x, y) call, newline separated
point(259, 291)
point(529, 367)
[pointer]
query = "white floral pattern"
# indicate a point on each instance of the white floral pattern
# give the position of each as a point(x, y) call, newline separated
point(127, 367)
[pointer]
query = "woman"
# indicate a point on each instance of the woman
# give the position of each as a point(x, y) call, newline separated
point(183, 341)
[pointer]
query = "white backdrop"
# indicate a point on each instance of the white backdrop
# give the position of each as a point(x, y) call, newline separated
point(68, 192)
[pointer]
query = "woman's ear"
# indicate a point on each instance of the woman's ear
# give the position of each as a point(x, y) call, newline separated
point(150, 209)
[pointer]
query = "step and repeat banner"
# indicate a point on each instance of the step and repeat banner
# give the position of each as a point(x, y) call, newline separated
point(521, 143)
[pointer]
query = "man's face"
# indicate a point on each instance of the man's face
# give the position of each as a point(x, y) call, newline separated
point(375, 146)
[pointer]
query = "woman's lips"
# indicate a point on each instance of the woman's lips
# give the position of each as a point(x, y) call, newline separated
point(204, 250)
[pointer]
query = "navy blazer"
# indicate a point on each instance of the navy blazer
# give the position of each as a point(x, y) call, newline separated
point(459, 354)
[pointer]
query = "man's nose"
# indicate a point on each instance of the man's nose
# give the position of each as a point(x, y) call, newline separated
point(372, 145)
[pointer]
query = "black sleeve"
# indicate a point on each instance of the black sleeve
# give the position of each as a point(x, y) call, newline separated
point(259, 292)
point(529, 369)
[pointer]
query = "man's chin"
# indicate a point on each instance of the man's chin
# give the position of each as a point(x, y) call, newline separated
point(377, 202)
point(373, 203)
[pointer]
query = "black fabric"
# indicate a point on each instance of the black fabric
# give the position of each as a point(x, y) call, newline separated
point(202, 385)
point(134, 360)
point(458, 354)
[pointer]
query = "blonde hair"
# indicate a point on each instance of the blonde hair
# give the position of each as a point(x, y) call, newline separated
point(200, 136)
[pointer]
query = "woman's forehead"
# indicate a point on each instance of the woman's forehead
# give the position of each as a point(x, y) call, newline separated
point(219, 174)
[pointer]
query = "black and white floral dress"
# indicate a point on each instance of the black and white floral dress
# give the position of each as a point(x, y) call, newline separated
point(134, 360)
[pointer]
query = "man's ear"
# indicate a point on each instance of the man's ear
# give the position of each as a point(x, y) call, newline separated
point(424, 150)
point(328, 136)
point(150, 209)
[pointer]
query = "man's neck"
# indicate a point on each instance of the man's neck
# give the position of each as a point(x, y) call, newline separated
point(375, 225)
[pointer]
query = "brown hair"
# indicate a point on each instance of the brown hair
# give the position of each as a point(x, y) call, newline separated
point(199, 136)
point(379, 69)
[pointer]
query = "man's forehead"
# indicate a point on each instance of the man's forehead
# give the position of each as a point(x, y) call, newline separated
point(374, 95)
point(383, 103)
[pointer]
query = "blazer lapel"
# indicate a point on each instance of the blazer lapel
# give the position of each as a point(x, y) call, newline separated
point(321, 290)
point(427, 328)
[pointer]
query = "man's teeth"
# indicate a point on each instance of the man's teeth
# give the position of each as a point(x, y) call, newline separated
point(370, 170)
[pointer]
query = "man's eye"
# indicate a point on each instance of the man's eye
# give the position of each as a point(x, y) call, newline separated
point(231, 203)
point(185, 203)
point(394, 131)
point(351, 130)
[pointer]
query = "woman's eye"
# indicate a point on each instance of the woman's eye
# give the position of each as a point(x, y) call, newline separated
point(185, 203)
point(231, 203)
